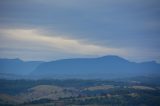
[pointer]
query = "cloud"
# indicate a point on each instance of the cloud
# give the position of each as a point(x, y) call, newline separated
point(30, 40)
point(71, 28)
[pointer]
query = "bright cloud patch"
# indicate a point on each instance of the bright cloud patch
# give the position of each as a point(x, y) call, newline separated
point(34, 44)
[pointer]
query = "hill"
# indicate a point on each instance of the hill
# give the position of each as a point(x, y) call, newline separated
point(107, 67)
point(17, 66)
point(101, 68)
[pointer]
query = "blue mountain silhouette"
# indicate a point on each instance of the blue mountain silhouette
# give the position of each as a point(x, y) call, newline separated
point(17, 66)
point(102, 67)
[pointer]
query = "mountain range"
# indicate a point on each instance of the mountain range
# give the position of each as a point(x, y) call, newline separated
point(97, 68)
point(17, 66)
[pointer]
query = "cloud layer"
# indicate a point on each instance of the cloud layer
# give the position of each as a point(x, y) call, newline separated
point(79, 28)
point(18, 41)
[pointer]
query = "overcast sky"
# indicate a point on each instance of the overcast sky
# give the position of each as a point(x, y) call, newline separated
point(56, 29)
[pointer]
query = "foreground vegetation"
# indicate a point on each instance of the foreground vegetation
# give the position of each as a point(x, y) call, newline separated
point(75, 92)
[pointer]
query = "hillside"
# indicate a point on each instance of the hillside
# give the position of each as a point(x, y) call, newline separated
point(104, 67)
point(17, 66)
point(79, 93)
point(107, 67)
point(46, 92)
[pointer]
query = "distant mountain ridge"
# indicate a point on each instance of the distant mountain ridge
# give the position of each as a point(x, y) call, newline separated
point(103, 67)
point(17, 66)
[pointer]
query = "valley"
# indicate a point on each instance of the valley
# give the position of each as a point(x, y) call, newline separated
point(77, 92)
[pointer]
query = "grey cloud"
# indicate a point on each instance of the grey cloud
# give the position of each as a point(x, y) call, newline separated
point(120, 23)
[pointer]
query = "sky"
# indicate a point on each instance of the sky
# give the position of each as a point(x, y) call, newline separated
point(57, 29)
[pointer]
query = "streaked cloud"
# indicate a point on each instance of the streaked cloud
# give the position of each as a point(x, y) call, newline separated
point(32, 40)
point(72, 28)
